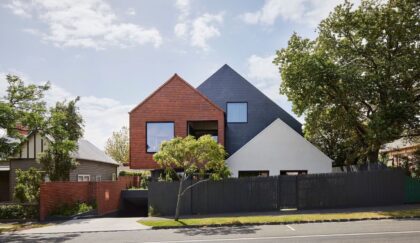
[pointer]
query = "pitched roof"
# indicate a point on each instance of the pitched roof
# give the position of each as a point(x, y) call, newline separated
point(88, 151)
point(227, 76)
point(402, 143)
point(173, 78)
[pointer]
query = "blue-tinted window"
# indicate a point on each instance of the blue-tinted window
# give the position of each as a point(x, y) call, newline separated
point(237, 112)
point(157, 132)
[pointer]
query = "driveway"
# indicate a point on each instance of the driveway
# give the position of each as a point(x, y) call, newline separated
point(90, 225)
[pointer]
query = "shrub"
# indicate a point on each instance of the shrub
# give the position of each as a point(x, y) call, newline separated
point(67, 209)
point(144, 177)
point(27, 185)
point(18, 211)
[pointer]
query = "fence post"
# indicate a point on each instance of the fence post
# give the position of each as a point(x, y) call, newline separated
point(297, 191)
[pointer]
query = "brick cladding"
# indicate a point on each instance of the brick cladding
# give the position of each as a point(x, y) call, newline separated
point(175, 101)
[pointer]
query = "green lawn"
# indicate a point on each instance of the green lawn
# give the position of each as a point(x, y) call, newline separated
point(277, 218)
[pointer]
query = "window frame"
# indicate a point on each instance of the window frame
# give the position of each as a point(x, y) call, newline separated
point(227, 111)
point(83, 175)
point(98, 176)
point(298, 172)
point(151, 122)
point(260, 172)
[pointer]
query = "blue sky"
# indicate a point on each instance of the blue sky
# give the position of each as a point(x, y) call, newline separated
point(115, 53)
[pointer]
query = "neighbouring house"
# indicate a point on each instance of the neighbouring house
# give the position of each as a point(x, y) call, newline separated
point(400, 150)
point(260, 137)
point(4, 180)
point(93, 163)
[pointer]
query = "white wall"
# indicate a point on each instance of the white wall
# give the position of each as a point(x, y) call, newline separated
point(279, 147)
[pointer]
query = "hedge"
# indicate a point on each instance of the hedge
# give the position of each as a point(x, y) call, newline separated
point(19, 211)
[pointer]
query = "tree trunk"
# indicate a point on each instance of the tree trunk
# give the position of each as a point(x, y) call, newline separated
point(372, 156)
point(178, 201)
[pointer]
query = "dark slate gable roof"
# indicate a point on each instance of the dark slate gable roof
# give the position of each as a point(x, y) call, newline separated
point(226, 85)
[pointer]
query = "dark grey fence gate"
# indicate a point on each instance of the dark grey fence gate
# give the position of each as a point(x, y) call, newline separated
point(288, 197)
point(258, 194)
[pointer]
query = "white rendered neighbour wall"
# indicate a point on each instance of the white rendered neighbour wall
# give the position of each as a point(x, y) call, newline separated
point(279, 147)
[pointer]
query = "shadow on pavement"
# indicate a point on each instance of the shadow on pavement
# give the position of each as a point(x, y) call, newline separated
point(37, 237)
point(218, 230)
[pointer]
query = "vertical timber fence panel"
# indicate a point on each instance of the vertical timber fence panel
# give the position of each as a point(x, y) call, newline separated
point(376, 188)
point(257, 194)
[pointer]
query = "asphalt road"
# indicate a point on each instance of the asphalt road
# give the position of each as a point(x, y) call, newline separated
point(359, 231)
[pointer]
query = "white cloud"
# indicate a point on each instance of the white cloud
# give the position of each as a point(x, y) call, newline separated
point(199, 29)
point(262, 73)
point(130, 11)
point(301, 11)
point(102, 116)
point(19, 8)
point(181, 29)
point(204, 28)
point(262, 68)
point(85, 23)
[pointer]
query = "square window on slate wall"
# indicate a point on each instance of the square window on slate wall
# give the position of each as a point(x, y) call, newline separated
point(237, 112)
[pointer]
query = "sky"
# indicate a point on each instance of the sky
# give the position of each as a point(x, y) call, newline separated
point(114, 53)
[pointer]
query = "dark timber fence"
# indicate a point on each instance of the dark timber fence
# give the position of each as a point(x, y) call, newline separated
point(376, 188)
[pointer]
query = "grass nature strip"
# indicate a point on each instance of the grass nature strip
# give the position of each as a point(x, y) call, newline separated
point(10, 227)
point(290, 218)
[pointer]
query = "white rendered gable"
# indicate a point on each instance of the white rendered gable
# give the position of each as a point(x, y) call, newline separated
point(279, 147)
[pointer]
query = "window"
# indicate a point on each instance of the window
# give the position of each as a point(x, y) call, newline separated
point(157, 132)
point(98, 178)
point(293, 172)
point(83, 177)
point(114, 176)
point(237, 112)
point(253, 173)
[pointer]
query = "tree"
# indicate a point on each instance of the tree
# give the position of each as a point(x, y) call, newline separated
point(358, 81)
point(22, 106)
point(193, 156)
point(27, 185)
point(117, 146)
point(63, 130)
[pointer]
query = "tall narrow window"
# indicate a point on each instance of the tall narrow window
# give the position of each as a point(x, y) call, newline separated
point(237, 112)
point(157, 132)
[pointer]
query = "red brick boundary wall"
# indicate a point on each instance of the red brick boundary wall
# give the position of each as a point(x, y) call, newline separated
point(106, 194)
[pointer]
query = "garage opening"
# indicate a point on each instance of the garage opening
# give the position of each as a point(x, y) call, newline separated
point(201, 128)
point(134, 203)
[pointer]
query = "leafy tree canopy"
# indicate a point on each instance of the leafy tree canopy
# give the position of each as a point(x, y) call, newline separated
point(64, 128)
point(357, 83)
point(193, 156)
point(117, 146)
point(22, 106)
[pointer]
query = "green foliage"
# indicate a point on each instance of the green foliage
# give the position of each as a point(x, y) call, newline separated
point(117, 146)
point(202, 156)
point(357, 83)
point(65, 128)
point(19, 211)
point(21, 106)
point(410, 164)
point(72, 209)
point(27, 185)
point(144, 177)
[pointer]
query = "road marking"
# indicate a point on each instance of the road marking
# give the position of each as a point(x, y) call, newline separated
point(289, 237)
point(290, 227)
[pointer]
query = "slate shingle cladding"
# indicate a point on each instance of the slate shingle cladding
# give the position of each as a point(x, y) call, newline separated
point(226, 85)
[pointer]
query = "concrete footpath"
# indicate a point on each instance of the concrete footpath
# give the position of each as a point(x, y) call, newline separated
point(363, 231)
point(89, 225)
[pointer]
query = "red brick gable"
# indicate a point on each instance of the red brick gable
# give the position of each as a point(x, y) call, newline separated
point(175, 101)
point(175, 77)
